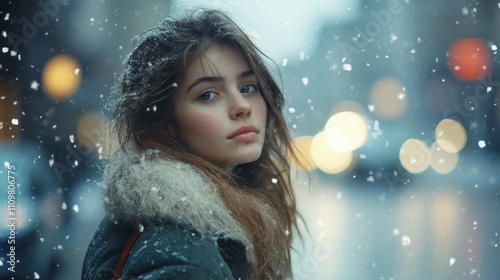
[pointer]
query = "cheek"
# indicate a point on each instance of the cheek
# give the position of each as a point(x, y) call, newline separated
point(197, 126)
point(261, 110)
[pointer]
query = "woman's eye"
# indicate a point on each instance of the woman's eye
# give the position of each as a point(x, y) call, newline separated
point(207, 95)
point(249, 88)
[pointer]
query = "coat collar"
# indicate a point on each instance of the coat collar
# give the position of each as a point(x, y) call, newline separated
point(145, 187)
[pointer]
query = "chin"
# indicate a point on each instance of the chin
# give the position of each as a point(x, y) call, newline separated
point(248, 157)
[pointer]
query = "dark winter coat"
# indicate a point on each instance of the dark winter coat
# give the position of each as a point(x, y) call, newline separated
point(164, 252)
point(186, 231)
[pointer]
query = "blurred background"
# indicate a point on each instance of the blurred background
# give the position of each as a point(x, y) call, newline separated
point(394, 105)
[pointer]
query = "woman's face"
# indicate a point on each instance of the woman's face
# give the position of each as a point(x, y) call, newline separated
point(219, 109)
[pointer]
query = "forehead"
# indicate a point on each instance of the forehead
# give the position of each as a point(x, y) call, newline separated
point(219, 61)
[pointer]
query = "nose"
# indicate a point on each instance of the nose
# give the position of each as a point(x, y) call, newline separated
point(240, 107)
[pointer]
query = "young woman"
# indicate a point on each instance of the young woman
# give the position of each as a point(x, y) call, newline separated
point(200, 185)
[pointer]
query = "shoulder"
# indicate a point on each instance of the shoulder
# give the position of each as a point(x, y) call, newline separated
point(105, 249)
point(160, 251)
point(176, 251)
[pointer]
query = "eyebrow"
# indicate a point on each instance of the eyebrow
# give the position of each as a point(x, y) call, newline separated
point(200, 80)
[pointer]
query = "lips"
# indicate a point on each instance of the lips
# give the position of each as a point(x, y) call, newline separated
point(248, 132)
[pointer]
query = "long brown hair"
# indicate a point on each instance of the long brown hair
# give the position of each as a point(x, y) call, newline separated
point(258, 194)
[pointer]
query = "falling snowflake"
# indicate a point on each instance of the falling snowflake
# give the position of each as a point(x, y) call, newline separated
point(405, 240)
point(481, 144)
point(34, 85)
point(347, 67)
point(305, 81)
point(302, 55)
point(15, 121)
point(452, 261)
point(394, 37)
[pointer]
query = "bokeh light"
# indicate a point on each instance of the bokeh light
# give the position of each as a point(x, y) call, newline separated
point(89, 130)
point(446, 211)
point(414, 156)
point(469, 59)
point(61, 77)
point(346, 131)
point(326, 158)
point(388, 98)
point(10, 111)
point(442, 161)
point(347, 105)
point(450, 135)
point(302, 149)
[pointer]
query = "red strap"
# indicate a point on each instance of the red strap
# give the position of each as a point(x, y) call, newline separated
point(123, 258)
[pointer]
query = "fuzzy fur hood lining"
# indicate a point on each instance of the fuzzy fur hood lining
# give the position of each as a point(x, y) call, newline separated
point(144, 187)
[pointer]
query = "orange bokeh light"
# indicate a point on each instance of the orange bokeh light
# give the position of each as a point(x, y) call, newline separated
point(469, 59)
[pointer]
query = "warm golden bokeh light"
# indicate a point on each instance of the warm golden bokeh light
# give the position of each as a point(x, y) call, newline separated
point(348, 105)
point(89, 130)
point(414, 156)
point(10, 111)
point(346, 131)
point(450, 135)
point(388, 99)
point(61, 77)
point(302, 149)
point(326, 158)
point(442, 161)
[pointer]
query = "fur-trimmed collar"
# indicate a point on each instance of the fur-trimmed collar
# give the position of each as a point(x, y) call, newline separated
point(143, 187)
